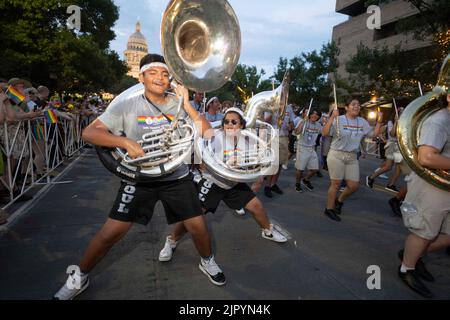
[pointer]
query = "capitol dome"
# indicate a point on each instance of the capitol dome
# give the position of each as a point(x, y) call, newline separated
point(137, 40)
point(137, 48)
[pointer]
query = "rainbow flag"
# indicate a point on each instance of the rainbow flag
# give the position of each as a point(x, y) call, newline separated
point(15, 95)
point(50, 116)
point(38, 131)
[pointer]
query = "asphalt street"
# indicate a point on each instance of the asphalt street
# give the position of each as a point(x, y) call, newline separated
point(323, 259)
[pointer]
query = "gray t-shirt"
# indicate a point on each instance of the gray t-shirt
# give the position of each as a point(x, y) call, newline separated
point(224, 149)
point(435, 132)
point(289, 116)
point(352, 131)
point(312, 131)
point(135, 116)
point(213, 117)
point(197, 106)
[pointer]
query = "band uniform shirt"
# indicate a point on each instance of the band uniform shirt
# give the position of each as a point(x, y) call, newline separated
point(289, 116)
point(351, 131)
point(196, 106)
point(214, 117)
point(225, 148)
point(435, 132)
point(135, 116)
point(312, 131)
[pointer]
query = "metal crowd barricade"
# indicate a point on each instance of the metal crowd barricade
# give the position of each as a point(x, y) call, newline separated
point(34, 149)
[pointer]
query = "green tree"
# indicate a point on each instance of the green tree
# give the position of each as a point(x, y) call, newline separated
point(309, 75)
point(36, 44)
point(245, 81)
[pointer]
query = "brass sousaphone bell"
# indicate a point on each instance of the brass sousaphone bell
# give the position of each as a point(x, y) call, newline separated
point(410, 126)
point(201, 43)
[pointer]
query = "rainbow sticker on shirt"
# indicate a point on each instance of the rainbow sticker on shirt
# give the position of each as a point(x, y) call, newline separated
point(312, 131)
point(352, 129)
point(154, 121)
point(229, 153)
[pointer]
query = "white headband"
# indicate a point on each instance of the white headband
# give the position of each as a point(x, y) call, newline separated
point(211, 100)
point(153, 65)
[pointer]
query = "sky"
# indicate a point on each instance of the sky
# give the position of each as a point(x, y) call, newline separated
point(270, 28)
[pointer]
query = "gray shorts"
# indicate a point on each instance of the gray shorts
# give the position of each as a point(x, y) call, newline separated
point(306, 159)
point(284, 150)
point(343, 165)
point(426, 209)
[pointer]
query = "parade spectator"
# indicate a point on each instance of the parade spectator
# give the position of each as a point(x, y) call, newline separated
point(213, 107)
point(197, 103)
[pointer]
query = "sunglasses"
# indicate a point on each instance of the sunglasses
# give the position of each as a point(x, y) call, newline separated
point(233, 122)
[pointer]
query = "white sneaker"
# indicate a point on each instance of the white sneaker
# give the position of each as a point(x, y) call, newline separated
point(285, 167)
point(213, 271)
point(240, 212)
point(273, 234)
point(69, 290)
point(169, 247)
point(383, 176)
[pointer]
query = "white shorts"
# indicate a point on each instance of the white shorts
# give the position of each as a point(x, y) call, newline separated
point(306, 159)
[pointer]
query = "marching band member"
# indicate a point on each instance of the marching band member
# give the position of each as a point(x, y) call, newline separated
point(426, 209)
point(121, 126)
point(391, 148)
point(309, 129)
point(213, 189)
point(342, 159)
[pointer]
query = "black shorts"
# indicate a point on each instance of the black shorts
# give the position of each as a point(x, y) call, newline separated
point(236, 198)
point(135, 203)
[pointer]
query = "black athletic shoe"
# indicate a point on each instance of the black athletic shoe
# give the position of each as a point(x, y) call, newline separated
point(298, 188)
point(307, 184)
point(448, 251)
point(319, 174)
point(330, 213)
point(395, 206)
point(338, 206)
point(268, 192)
point(277, 189)
point(370, 182)
point(421, 270)
point(412, 280)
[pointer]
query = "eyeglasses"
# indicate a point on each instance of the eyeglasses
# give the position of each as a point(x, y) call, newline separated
point(233, 122)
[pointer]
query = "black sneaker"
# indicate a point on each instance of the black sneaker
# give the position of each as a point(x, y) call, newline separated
point(298, 188)
point(391, 188)
point(330, 213)
point(370, 182)
point(338, 206)
point(395, 206)
point(307, 184)
point(319, 174)
point(448, 250)
point(412, 280)
point(421, 270)
point(277, 189)
point(268, 192)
